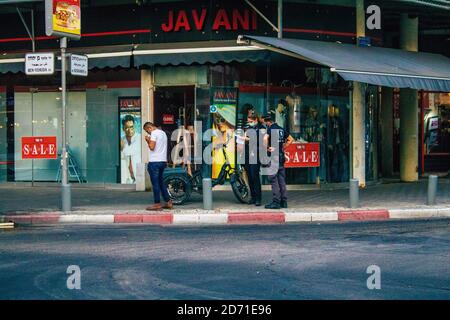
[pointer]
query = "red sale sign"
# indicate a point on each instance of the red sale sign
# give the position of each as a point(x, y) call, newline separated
point(39, 148)
point(168, 119)
point(302, 155)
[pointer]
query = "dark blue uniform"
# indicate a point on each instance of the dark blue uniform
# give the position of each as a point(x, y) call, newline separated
point(252, 162)
point(278, 177)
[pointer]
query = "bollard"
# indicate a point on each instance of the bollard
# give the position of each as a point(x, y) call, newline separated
point(207, 194)
point(354, 193)
point(66, 195)
point(432, 189)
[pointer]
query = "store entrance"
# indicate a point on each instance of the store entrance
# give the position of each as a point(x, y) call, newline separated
point(174, 109)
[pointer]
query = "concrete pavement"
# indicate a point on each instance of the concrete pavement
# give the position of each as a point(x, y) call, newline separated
point(101, 205)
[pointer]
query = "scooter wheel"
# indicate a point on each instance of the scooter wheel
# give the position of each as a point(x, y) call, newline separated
point(179, 188)
point(240, 188)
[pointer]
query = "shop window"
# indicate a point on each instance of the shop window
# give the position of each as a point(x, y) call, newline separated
point(93, 126)
point(436, 131)
point(313, 105)
point(38, 114)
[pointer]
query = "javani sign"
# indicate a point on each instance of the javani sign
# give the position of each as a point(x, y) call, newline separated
point(201, 20)
point(195, 19)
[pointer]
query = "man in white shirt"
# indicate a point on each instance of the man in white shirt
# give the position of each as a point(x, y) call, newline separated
point(157, 155)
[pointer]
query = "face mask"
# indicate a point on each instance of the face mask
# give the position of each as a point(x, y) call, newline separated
point(252, 124)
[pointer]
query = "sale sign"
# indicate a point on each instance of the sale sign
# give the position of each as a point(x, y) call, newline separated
point(168, 119)
point(39, 148)
point(302, 155)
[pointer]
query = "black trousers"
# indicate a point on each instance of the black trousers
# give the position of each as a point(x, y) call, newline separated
point(254, 180)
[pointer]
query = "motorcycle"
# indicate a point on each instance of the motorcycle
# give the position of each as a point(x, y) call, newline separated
point(181, 185)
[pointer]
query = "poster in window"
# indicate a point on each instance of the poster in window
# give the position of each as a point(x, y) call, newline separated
point(225, 102)
point(130, 138)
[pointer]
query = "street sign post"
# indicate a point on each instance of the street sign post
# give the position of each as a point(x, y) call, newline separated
point(39, 63)
point(65, 192)
point(63, 19)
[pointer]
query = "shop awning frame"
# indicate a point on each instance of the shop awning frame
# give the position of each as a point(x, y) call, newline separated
point(373, 65)
point(201, 52)
point(187, 53)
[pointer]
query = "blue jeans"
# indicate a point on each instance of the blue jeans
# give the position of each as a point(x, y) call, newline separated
point(156, 170)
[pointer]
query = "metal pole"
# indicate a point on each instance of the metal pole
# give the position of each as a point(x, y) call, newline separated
point(33, 38)
point(280, 19)
point(354, 193)
point(30, 33)
point(432, 189)
point(207, 194)
point(65, 186)
point(261, 15)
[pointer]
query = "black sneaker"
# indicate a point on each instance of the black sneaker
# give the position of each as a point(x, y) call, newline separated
point(273, 205)
point(283, 204)
point(257, 203)
point(251, 201)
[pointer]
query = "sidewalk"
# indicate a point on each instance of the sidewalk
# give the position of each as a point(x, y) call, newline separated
point(382, 201)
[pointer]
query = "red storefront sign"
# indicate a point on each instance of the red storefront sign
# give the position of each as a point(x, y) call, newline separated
point(302, 155)
point(178, 20)
point(39, 148)
point(168, 119)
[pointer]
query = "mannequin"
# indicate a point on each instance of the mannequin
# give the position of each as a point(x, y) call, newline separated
point(294, 102)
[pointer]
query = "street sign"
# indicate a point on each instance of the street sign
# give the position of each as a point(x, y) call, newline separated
point(39, 148)
point(63, 18)
point(78, 65)
point(39, 63)
point(213, 109)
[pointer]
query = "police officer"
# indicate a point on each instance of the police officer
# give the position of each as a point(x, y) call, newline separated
point(276, 140)
point(252, 162)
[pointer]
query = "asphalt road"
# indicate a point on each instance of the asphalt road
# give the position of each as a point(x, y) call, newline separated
point(304, 261)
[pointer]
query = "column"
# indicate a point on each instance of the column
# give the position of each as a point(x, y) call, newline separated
point(409, 120)
point(387, 131)
point(358, 110)
point(147, 90)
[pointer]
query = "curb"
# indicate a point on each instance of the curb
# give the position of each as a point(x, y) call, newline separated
point(233, 218)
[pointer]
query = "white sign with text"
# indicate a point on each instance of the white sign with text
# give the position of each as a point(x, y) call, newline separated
point(78, 65)
point(39, 63)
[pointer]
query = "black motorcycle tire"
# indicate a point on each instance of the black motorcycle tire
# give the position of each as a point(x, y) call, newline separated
point(175, 183)
point(240, 189)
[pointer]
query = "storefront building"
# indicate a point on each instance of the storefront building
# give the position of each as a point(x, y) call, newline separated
point(169, 62)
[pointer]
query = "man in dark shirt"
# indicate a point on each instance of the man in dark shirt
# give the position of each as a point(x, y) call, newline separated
point(276, 140)
point(252, 163)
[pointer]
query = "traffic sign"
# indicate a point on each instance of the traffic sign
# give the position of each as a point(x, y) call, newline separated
point(39, 63)
point(78, 65)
